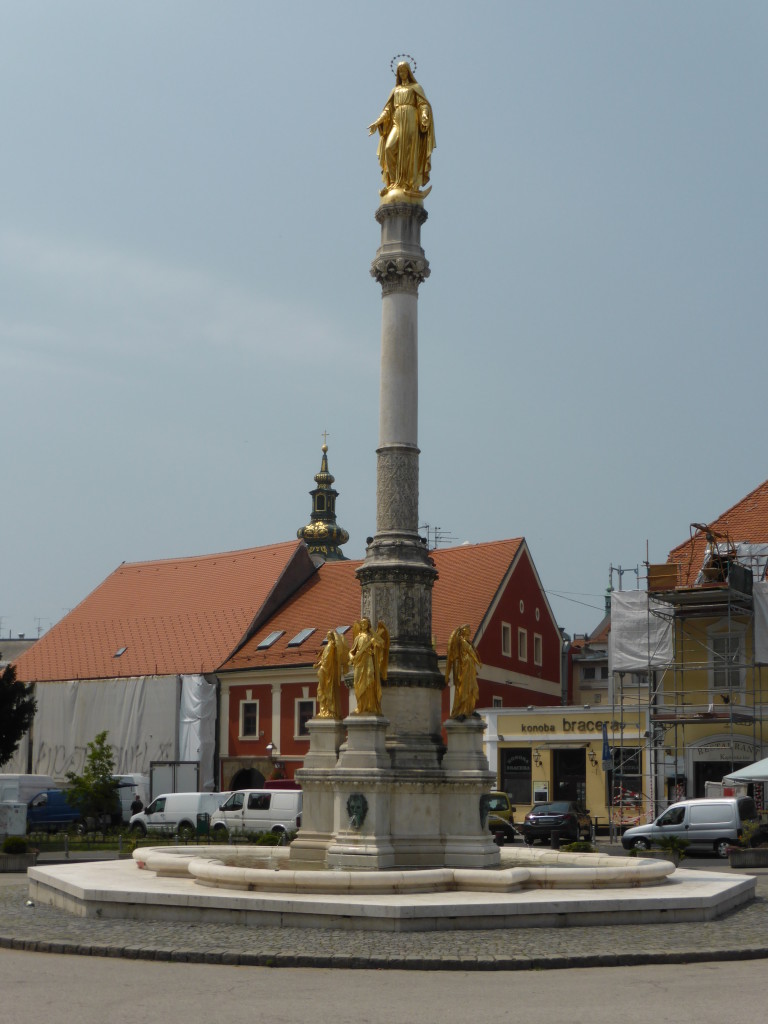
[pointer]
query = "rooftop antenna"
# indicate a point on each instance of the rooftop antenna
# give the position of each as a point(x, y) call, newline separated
point(436, 535)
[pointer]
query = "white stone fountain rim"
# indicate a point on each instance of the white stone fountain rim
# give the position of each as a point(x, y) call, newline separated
point(265, 870)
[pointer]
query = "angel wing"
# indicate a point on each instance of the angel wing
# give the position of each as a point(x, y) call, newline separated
point(383, 632)
point(342, 652)
point(454, 648)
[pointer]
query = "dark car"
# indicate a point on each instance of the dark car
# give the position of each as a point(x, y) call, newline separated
point(566, 817)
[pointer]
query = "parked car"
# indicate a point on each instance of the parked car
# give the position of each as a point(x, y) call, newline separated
point(259, 810)
point(563, 816)
point(176, 812)
point(711, 825)
point(500, 811)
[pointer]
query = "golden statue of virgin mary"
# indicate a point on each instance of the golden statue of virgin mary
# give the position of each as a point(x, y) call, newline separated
point(406, 138)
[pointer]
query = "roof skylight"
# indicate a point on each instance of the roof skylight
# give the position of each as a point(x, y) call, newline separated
point(273, 637)
point(300, 637)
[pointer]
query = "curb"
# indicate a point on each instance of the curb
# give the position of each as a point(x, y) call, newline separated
point(402, 963)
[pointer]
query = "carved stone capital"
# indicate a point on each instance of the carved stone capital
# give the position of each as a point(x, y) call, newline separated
point(388, 211)
point(400, 273)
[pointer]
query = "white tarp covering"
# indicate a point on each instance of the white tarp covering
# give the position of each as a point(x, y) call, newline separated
point(760, 604)
point(197, 726)
point(641, 633)
point(140, 714)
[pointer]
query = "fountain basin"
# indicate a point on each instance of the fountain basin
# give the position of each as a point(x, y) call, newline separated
point(549, 893)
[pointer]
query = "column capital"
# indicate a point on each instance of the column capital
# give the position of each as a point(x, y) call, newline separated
point(411, 210)
point(400, 273)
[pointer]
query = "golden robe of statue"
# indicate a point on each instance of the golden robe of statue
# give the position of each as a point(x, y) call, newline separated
point(332, 663)
point(407, 137)
point(463, 662)
point(370, 658)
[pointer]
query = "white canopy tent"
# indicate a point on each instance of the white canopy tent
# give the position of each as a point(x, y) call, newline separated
point(757, 772)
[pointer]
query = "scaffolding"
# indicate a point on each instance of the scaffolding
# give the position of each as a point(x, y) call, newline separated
point(711, 615)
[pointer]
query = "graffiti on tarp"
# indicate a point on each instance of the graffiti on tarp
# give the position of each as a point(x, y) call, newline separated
point(58, 759)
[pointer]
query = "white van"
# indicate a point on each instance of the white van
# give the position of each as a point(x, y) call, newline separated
point(705, 824)
point(176, 812)
point(21, 788)
point(259, 810)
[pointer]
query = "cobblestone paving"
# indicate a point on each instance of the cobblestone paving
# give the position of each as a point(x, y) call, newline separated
point(740, 935)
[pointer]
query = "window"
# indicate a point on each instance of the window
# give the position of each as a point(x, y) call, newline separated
point(301, 636)
point(259, 801)
point(537, 649)
point(320, 503)
point(506, 640)
point(515, 774)
point(588, 672)
point(249, 719)
point(498, 702)
point(235, 803)
point(726, 671)
point(305, 709)
point(522, 644)
point(269, 640)
point(604, 672)
point(625, 780)
point(674, 816)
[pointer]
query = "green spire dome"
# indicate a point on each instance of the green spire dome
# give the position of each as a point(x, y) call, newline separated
point(323, 536)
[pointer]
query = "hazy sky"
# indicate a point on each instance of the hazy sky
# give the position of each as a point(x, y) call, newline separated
point(188, 197)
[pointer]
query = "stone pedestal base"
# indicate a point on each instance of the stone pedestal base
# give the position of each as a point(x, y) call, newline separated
point(468, 841)
point(362, 813)
point(310, 847)
point(464, 752)
point(326, 736)
point(366, 746)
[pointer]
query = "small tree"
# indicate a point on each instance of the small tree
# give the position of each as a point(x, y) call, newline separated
point(17, 710)
point(94, 793)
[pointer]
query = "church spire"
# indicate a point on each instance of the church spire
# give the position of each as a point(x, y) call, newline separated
point(323, 536)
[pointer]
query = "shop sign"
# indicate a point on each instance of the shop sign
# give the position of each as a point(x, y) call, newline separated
point(590, 725)
point(572, 725)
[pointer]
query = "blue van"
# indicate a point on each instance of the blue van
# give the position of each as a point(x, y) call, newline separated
point(49, 811)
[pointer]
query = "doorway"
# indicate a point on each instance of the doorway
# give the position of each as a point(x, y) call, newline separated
point(570, 775)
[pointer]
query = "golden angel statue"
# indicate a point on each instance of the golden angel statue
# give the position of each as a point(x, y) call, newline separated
point(331, 664)
point(370, 659)
point(406, 137)
point(463, 662)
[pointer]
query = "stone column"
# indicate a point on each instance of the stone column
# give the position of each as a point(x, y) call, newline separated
point(397, 576)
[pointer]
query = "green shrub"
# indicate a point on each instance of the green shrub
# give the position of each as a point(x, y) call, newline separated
point(15, 844)
point(581, 846)
point(672, 844)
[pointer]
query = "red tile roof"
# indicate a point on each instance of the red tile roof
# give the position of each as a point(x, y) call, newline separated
point(469, 578)
point(174, 616)
point(746, 521)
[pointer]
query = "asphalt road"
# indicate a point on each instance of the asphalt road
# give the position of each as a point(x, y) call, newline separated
point(49, 987)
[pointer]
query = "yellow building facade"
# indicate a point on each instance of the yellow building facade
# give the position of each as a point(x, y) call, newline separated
point(556, 753)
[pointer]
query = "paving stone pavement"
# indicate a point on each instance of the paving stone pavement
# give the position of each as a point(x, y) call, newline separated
point(741, 935)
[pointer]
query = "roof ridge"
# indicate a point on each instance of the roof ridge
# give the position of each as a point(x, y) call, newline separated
point(206, 557)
